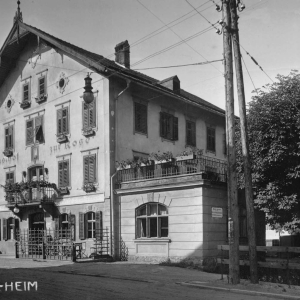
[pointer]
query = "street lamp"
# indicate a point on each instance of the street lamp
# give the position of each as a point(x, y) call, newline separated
point(16, 209)
point(88, 95)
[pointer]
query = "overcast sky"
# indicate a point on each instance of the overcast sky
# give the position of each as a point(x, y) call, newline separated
point(269, 31)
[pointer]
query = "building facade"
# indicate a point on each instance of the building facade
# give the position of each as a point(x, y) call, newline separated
point(107, 165)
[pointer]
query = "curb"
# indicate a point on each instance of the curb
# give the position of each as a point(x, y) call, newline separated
point(238, 291)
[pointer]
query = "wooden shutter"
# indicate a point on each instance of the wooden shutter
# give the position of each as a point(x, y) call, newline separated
point(162, 122)
point(98, 225)
point(60, 173)
point(140, 118)
point(85, 115)
point(92, 114)
point(0, 229)
point(191, 133)
point(41, 86)
point(26, 92)
point(4, 229)
point(92, 168)
point(81, 226)
point(59, 121)
point(65, 127)
point(175, 129)
point(86, 169)
point(11, 136)
point(66, 173)
point(29, 132)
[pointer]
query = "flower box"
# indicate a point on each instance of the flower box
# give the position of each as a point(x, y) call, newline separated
point(8, 152)
point(88, 188)
point(25, 104)
point(41, 98)
point(62, 138)
point(63, 190)
point(88, 132)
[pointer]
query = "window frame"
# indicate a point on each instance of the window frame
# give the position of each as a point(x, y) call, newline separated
point(168, 126)
point(141, 126)
point(64, 176)
point(210, 139)
point(12, 175)
point(146, 219)
point(86, 170)
point(34, 132)
point(97, 225)
point(60, 117)
point(191, 133)
point(6, 146)
point(45, 86)
point(86, 117)
point(28, 92)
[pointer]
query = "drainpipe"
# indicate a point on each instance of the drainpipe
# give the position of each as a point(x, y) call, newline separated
point(112, 235)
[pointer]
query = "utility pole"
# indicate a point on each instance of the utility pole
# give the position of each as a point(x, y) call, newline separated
point(233, 213)
point(245, 144)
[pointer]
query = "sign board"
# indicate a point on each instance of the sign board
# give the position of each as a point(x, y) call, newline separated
point(217, 212)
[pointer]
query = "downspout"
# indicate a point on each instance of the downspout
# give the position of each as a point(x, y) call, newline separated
point(112, 208)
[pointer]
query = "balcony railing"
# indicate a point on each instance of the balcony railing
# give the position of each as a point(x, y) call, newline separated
point(211, 168)
point(39, 192)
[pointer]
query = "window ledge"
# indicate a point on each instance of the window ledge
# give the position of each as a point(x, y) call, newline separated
point(152, 240)
point(167, 140)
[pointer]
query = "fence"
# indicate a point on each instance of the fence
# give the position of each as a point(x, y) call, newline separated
point(213, 169)
point(276, 257)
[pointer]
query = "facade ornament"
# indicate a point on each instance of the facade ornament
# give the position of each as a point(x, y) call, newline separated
point(9, 102)
point(62, 82)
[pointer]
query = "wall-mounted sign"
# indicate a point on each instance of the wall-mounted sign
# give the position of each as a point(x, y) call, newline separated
point(7, 160)
point(217, 212)
point(69, 145)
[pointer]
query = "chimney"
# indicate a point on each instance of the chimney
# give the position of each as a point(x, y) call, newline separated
point(122, 54)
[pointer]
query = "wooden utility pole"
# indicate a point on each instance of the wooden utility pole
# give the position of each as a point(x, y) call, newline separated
point(245, 144)
point(233, 213)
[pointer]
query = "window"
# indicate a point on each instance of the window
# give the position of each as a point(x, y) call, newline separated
point(10, 177)
point(9, 142)
point(63, 173)
point(140, 118)
point(89, 169)
point(10, 228)
point(26, 92)
point(89, 115)
point(65, 225)
point(152, 221)
point(191, 133)
point(62, 121)
point(90, 225)
point(34, 131)
point(211, 139)
point(168, 126)
point(42, 86)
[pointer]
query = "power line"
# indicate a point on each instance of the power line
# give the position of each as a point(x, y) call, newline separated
point(249, 75)
point(177, 66)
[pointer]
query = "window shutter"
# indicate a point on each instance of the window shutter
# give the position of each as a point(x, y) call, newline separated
point(60, 173)
point(175, 128)
point(148, 227)
point(162, 122)
point(86, 169)
point(4, 229)
point(92, 168)
point(159, 227)
point(11, 136)
point(6, 138)
point(25, 92)
point(29, 132)
point(85, 115)
point(0, 229)
point(66, 173)
point(98, 225)
point(59, 121)
point(81, 226)
point(92, 114)
point(65, 126)
point(42, 86)
point(140, 118)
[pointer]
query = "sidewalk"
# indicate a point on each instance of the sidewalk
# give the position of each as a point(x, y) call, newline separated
point(153, 273)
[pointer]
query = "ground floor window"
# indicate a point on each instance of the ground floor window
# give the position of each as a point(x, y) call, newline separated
point(10, 228)
point(90, 225)
point(65, 226)
point(152, 221)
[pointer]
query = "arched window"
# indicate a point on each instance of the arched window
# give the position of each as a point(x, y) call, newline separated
point(152, 221)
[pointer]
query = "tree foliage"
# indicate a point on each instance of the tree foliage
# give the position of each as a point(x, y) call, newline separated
point(274, 140)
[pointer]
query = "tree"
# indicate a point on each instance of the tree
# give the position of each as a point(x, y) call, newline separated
point(274, 139)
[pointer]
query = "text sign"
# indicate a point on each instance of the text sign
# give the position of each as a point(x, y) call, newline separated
point(217, 212)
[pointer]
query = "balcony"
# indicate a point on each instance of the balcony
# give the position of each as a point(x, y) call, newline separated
point(205, 167)
point(30, 193)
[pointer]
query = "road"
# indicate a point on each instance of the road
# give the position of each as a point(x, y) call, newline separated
point(86, 281)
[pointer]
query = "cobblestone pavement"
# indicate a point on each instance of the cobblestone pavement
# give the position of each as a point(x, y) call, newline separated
point(65, 280)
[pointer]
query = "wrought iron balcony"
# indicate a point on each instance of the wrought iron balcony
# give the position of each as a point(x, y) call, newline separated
point(211, 169)
point(26, 193)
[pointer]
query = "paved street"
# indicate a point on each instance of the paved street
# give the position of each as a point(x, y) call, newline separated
point(64, 280)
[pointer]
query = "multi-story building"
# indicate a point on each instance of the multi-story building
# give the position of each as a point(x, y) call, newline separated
point(60, 148)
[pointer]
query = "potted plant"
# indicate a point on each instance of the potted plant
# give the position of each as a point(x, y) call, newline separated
point(88, 187)
point(25, 104)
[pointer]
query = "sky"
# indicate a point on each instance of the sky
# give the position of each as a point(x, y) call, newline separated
point(170, 33)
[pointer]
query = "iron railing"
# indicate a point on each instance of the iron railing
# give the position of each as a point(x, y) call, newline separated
point(211, 168)
point(101, 243)
point(31, 195)
point(44, 244)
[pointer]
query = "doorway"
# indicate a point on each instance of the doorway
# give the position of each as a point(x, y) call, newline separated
point(37, 221)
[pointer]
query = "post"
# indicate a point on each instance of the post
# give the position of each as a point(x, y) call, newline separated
point(233, 238)
point(16, 250)
point(245, 145)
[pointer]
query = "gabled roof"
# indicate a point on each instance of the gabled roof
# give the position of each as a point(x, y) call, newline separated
point(16, 42)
